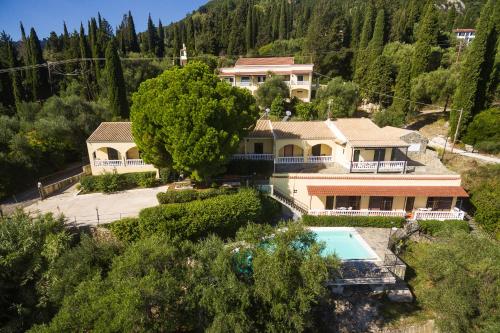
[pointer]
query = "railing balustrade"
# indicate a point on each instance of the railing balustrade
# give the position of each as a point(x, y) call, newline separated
point(380, 166)
point(439, 215)
point(108, 163)
point(320, 159)
point(347, 212)
point(135, 162)
point(254, 157)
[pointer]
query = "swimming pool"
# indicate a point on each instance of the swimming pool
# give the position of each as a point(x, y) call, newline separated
point(346, 243)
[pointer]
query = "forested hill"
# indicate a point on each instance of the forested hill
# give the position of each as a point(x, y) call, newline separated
point(326, 30)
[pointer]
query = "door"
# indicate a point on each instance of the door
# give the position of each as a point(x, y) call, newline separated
point(410, 203)
point(288, 151)
point(329, 203)
point(316, 150)
point(356, 155)
point(258, 148)
point(379, 155)
point(112, 154)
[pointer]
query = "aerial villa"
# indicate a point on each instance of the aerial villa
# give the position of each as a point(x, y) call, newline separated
point(111, 148)
point(250, 73)
point(353, 167)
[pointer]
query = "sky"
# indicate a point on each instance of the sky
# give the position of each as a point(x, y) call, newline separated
point(48, 15)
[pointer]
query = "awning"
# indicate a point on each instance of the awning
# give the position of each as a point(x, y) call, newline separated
point(390, 191)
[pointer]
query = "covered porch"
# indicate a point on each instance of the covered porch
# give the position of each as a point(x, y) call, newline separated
point(375, 159)
point(413, 202)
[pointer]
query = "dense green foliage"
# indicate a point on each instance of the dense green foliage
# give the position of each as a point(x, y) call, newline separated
point(476, 78)
point(353, 221)
point(28, 247)
point(222, 215)
point(483, 184)
point(339, 99)
point(116, 84)
point(189, 120)
point(113, 182)
point(437, 228)
point(457, 280)
point(164, 285)
point(268, 91)
point(484, 131)
point(181, 196)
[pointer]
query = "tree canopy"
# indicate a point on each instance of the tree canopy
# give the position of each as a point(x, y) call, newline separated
point(189, 120)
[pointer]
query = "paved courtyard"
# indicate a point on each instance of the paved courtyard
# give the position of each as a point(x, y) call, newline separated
point(83, 209)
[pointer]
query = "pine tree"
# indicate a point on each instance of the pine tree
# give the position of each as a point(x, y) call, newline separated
point(152, 38)
point(40, 88)
point(426, 39)
point(132, 36)
point(282, 33)
point(475, 76)
point(117, 95)
point(160, 50)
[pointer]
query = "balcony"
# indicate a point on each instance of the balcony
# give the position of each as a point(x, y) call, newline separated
point(348, 212)
point(253, 157)
point(300, 83)
point(424, 214)
point(374, 166)
point(302, 159)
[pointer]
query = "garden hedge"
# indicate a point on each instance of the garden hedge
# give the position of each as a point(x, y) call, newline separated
point(181, 196)
point(353, 221)
point(436, 228)
point(222, 215)
point(112, 182)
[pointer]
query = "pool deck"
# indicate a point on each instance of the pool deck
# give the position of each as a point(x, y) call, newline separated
point(377, 238)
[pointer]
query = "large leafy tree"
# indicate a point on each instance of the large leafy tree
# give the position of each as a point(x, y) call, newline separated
point(190, 120)
point(273, 88)
point(339, 97)
point(117, 94)
point(475, 77)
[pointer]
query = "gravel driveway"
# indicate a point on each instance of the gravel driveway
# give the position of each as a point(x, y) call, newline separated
point(83, 209)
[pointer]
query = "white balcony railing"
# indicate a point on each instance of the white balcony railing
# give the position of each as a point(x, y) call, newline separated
point(300, 83)
point(108, 163)
point(244, 84)
point(253, 157)
point(439, 215)
point(135, 162)
point(320, 159)
point(347, 212)
point(289, 160)
point(382, 166)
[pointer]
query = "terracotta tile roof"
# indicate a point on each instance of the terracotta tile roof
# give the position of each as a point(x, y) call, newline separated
point(302, 130)
point(393, 191)
point(362, 132)
point(112, 132)
point(271, 61)
point(262, 129)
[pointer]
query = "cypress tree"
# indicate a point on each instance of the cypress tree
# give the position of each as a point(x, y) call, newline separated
point(376, 45)
point(249, 38)
point(355, 28)
point(132, 35)
point(160, 52)
point(117, 95)
point(94, 47)
point(17, 87)
point(379, 81)
point(6, 92)
point(86, 65)
point(475, 76)
point(282, 33)
point(40, 88)
point(361, 67)
point(26, 48)
point(152, 38)
point(402, 94)
point(426, 39)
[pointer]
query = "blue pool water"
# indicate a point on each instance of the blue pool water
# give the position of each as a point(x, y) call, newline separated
point(346, 244)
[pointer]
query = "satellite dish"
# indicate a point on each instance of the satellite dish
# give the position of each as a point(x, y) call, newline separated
point(288, 113)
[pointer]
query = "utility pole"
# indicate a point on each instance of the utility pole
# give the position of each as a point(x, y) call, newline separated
point(456, 130)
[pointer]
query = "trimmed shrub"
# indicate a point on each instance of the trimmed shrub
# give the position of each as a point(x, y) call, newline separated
point(181, 196)
point(222, 215)
point(436, 228)
point(126, 229)
point(353, 221)
point(112, 182)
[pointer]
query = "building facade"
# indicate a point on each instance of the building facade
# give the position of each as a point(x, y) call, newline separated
point(465, 35)
point(352, 167)
point(111, 148)
point(250, 73)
